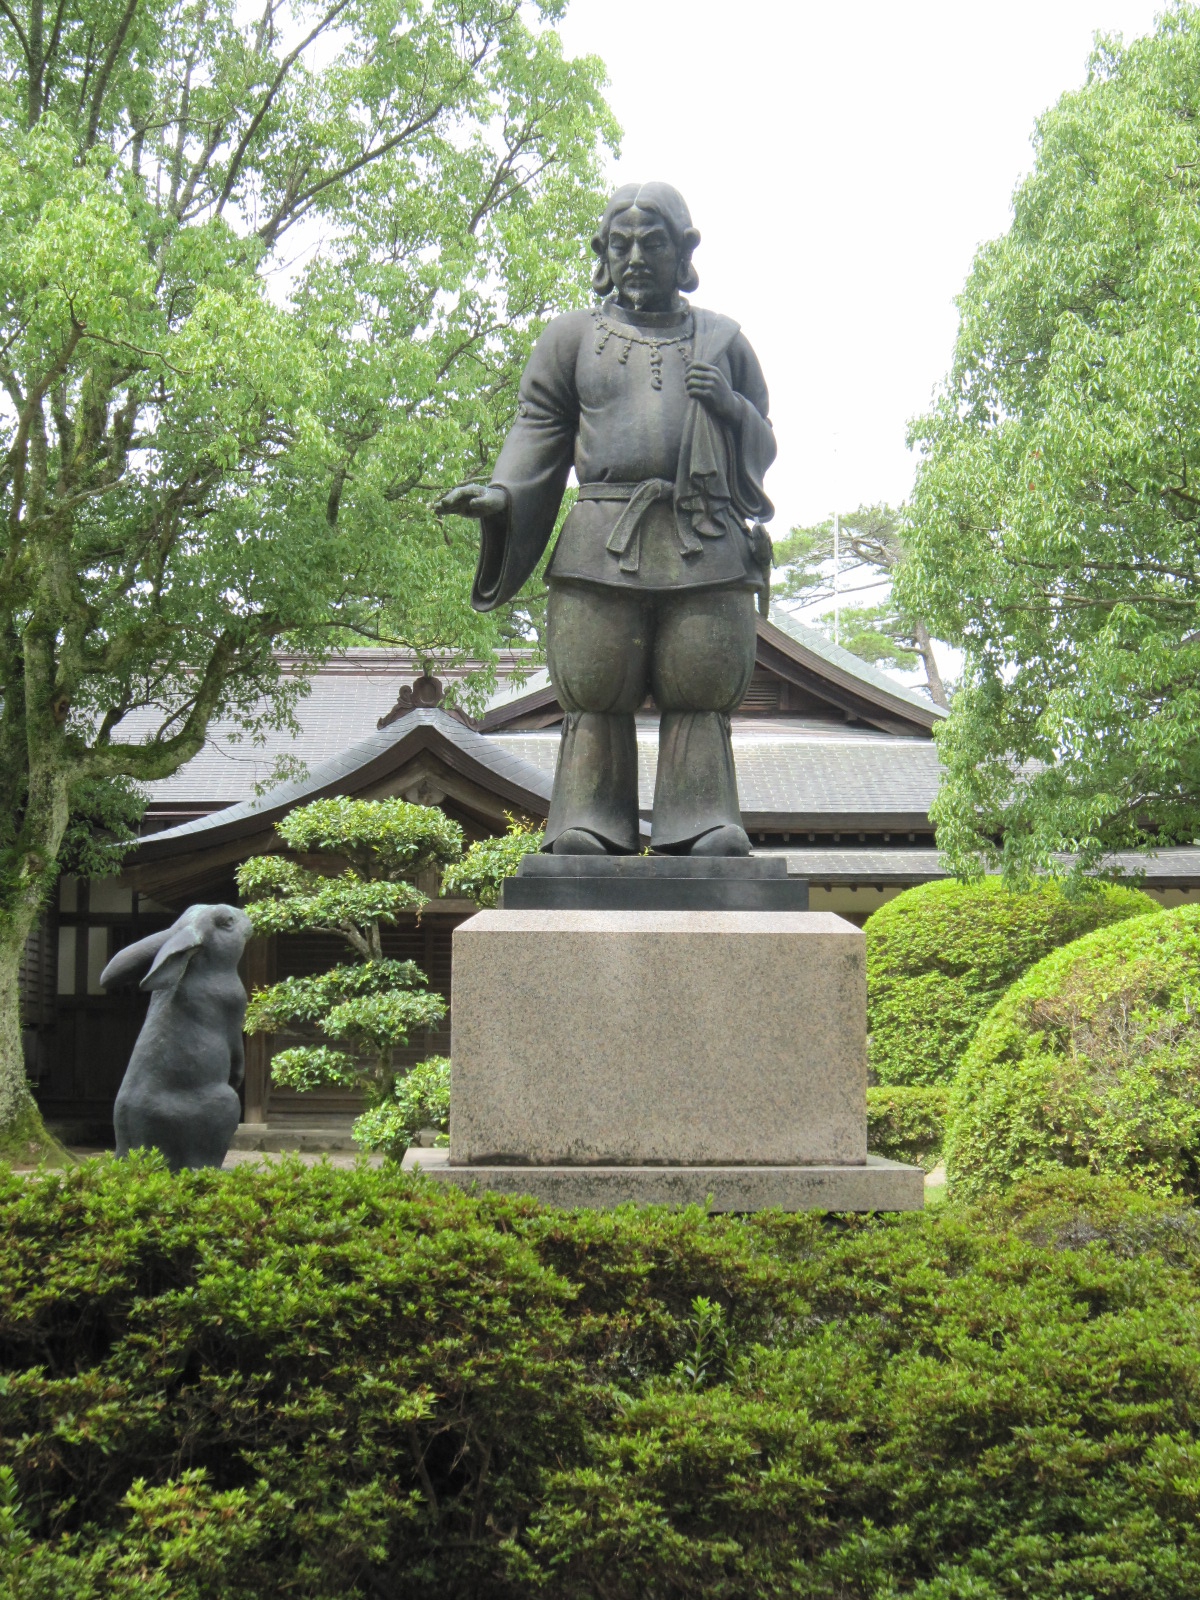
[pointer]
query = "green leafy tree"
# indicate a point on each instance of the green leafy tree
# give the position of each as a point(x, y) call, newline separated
point(870, 550)
point(267, 281)
point(480, 875)
point(347, 870)
point(101, 826)
point(1055, 526)
point(418, 1103)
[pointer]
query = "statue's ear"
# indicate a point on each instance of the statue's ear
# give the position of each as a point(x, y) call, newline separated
point(127, 964)
point(686, 276)
point(170, 963)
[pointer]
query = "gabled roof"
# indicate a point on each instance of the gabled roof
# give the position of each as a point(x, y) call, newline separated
point(799, 673)
point(834, 683)
point(365, 767)
point(344, 702)
point(840, 673)
point(795, 777)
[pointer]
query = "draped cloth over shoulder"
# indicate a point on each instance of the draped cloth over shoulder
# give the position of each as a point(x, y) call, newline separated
point(718, 482)
point(718, 473)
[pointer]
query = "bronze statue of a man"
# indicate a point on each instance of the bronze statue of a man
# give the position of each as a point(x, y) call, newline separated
point(661, 408)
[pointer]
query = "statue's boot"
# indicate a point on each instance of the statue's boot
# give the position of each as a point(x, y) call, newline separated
point(695, 792)
point(578, 842)
point(727, 840)
point(703, 661)
point(593, 809)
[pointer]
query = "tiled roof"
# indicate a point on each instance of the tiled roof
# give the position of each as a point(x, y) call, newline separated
point(521, 780)
point(1178, 867)
point(792, 771)
point(846, 661)
point(345, 702)
point(890, 867)
point(350, 693)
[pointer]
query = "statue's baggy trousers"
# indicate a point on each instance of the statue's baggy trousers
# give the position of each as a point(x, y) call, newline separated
point(607, 648)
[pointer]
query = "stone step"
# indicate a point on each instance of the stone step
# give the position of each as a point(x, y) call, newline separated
point(312, 1138)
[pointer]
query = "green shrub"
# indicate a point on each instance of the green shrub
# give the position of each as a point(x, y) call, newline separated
point(941, 955)
point(1091, 1060)
point(419, 1100)
point(907, 1123)
point(310, 1383)
point(347, 874)
point(480, 875)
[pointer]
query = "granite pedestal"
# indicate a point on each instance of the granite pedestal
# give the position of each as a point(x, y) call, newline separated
point(664, 1055)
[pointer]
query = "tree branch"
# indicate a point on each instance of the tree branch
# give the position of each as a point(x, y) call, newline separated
point(106, 71)
point(31, 410)
point(285, 67)
point(7, 11)
point(286, 215)
point(159, 758)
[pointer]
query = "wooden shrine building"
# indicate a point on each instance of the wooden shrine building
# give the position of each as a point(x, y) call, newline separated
point(836, 769)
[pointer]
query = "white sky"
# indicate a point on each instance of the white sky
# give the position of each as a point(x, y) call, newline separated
point(842, 163)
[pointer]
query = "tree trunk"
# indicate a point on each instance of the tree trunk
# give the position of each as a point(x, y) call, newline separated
point(23, 1136)
point(937, 689)
point(31, 879)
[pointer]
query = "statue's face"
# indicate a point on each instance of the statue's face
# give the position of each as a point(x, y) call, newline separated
point(643, 261)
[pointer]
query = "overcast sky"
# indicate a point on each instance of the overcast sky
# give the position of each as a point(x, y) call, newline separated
point(842, 163)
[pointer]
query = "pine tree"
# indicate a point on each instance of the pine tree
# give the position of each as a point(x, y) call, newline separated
point(347, 868)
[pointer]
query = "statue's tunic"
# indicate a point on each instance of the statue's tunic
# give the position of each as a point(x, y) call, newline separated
point(668, 493)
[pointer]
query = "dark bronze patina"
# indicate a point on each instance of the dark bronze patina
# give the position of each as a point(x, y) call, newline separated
point(661, 408)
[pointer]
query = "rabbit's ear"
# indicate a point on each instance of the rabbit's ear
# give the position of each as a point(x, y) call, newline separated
point(170, 963)
point(126, 965)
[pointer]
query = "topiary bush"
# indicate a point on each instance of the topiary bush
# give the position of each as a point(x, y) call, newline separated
point(939, 957)
point(907, 1122)
point(480, 875)
point(420, 1100)
point(292, 1383)
point(1091, 1060)
point(346, 872)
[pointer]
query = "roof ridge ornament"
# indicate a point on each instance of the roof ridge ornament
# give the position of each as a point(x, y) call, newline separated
point(425, 693)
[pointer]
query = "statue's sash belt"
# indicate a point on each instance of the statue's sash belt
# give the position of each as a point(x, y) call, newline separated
point(625, 540)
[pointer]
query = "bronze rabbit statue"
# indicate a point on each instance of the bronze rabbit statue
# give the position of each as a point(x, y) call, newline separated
point(178, 1094)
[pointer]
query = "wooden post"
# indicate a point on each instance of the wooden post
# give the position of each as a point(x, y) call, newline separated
point(260, 971)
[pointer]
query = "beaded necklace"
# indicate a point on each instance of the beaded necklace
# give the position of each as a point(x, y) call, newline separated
point(626, 337)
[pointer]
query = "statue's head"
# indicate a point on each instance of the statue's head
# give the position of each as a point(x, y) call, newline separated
point(644, 244)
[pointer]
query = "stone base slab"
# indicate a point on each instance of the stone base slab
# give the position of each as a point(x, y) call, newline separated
point(653, 883)
point(878, 1185)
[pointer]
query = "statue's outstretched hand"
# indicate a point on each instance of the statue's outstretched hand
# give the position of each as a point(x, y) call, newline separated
point(473, 500)
point(712, 388)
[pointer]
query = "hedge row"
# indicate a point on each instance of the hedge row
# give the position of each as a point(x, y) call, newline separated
point(907, 1123)
point(316, 1383)
point(1092, 1060)
point(940, 956)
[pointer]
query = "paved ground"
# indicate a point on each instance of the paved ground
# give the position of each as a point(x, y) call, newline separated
point(346, 1159)
point(245, 1158)
point(310, 1158)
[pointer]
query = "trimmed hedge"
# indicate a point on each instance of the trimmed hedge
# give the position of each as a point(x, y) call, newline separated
point(1091, 1060)
point(907, 1123)
point(314, 1383)
point(941, 955)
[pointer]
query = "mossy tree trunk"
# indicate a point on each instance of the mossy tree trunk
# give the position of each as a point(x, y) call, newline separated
point(35, 789)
